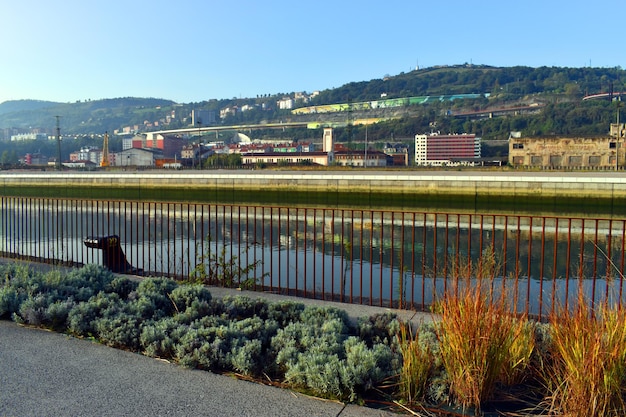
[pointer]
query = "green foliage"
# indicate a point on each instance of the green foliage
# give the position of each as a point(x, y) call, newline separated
point(119, 330)
point(184, 296)
point(379, 328)
point(122, 286)
point(218, 267)
point(81, 319)
point(232, 160)
point(152, 300)
point(316, 349)
point(10, 300)
point(58, 312)
point(350, 371)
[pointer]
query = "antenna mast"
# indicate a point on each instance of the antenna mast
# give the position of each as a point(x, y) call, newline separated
point(58, 143)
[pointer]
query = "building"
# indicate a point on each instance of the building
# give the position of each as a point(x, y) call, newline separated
point(35, 159)
point(136, 157)
point(88, 153)
point(292, 158)
point(203, 117)
point(285, 103)
point(398, 152)
point(171, 146)
point(28, 136)
point(80, 165)
point(560, 152)
point(438, 150)
point(358, 158)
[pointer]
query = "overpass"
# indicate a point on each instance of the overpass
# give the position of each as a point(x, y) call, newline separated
point(198, 129)
point(605, 95)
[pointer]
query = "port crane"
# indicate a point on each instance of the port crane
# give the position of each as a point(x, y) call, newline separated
point(105, 151)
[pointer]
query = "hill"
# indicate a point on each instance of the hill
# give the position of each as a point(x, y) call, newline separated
point(556, 92)
point(86, 117)
point(13, 106)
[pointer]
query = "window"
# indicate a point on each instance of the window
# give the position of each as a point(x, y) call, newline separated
point(536, 160)
point(612, 145)
point(575, 161)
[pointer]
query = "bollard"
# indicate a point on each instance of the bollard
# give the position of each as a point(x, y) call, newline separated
point(113, 255)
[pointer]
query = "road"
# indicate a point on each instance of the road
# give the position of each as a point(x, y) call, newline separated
point(50, 374)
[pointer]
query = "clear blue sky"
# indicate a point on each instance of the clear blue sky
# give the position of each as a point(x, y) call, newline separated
point(194, 50)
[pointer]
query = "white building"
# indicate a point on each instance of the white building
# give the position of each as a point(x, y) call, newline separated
point(137, 157)
point(286, 103)
point(28, 136)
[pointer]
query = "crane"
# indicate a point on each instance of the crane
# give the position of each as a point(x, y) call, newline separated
point(105, 151)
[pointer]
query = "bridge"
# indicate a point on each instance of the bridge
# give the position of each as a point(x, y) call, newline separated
point(199, 129)
point(604, 95)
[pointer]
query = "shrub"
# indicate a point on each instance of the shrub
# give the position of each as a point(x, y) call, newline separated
point(193, 348)
point(10, 300)
point(240, 307)
point(246, 358)
point(184, 296)
point(120, 330)
point(218, 267)
point(156, 340)
point(152, 298)
point(122, 286)
point(58, 313)
point(97, 277)
point(81, 318)
point(285, 312)
point(379, 328)
point(33, 310)
point(344, 375)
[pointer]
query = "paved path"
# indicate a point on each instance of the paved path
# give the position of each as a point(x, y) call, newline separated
point(50, 374)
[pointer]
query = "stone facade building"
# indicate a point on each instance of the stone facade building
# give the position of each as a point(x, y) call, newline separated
point(559, 152)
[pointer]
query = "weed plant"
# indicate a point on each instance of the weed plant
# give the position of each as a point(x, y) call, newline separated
point(217, 267)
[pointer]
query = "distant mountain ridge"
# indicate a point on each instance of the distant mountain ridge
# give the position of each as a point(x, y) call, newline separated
point(12, 106)
point(83, 117)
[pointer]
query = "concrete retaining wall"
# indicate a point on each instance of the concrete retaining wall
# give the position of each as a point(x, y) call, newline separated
point(509, 184)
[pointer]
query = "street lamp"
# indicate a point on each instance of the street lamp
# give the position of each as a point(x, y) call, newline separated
point(193, 148)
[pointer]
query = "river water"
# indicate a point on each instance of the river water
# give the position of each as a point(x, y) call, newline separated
point(382, 257)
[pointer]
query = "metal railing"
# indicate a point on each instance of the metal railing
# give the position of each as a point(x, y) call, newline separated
point(398, 259)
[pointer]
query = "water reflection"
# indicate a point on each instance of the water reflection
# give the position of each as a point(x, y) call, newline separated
point(381, 257)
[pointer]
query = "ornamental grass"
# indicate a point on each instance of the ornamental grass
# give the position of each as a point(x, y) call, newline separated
point(482, 345)
point(589, 362)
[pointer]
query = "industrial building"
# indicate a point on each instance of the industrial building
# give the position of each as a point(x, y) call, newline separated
point(570, 152)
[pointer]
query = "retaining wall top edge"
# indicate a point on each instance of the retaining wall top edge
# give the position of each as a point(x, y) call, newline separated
point(522, 177)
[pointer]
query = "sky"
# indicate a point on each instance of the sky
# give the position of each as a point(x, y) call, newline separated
point(195, 50)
